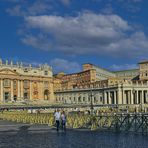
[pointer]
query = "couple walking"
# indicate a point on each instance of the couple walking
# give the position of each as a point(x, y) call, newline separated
point(60, 117)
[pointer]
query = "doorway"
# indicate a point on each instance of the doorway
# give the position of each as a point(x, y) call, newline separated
point(25, 95)
point(46, 94)
point(7, 96)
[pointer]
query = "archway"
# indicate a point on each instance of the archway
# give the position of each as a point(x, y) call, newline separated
point(46, 94)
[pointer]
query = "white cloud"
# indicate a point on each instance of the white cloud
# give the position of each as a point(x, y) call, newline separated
point(87, 33)
point(62, 65)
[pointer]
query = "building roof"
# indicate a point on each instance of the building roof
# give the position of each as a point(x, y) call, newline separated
point(125, 70)
point(143, 62)
point(96, 66)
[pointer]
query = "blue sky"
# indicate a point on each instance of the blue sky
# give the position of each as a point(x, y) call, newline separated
point(67, 33)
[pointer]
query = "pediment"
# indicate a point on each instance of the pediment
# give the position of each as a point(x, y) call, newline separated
point(8, 72)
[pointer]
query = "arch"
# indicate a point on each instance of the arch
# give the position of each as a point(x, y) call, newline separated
point(46, 94)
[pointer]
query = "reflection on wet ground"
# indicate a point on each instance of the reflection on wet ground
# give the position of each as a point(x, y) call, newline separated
point(33, 136)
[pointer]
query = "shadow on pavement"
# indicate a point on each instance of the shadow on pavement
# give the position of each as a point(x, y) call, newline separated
point(23, 129)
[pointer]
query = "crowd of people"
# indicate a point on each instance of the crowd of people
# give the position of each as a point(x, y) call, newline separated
point(60, 119)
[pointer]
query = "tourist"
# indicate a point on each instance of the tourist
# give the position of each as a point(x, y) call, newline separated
point(63, 118)
point(57, 116)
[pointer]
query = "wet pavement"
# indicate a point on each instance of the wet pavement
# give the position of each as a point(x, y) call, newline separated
point(16, 135)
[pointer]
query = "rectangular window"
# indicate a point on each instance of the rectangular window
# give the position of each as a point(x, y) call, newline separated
point(7, 83)
point(46, 73)
point(26, 84)
point(46, 84)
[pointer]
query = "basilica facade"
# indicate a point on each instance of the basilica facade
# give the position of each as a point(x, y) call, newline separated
point(19, 82)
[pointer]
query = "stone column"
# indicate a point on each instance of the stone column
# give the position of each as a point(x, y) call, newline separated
point(124, 97)
point(18, 89)
point(132, 97)
point(137, 97)
point(105, 97)
point(30, 90)
point(22, 90)
point(115, 98)
point(142, 97)
point(2, 95)
point(119, 96)
point(109, 98)
point(12, 97)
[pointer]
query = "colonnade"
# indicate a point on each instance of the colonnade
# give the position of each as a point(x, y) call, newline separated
point(10, 90)
point(105, 96)
point(77, 98)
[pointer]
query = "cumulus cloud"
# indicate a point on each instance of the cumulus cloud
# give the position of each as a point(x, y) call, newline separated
point(61, 65)
point(108, 35)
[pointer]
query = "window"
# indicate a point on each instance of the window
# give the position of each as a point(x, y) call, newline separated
point(25, 70)
point(7, 83)
point(46, 73)
point(26, 83)
point(46, 84)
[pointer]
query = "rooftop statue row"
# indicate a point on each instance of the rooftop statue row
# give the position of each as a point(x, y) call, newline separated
point(24, 65)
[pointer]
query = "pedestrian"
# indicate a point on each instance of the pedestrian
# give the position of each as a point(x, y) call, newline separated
point(57, 116)
point(63, 118)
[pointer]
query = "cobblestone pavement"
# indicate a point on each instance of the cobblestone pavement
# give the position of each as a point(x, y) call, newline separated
point(15, 135)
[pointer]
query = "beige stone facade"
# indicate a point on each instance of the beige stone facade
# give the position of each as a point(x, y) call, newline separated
point(93, 84)
point(19, 82)
point(104, 87)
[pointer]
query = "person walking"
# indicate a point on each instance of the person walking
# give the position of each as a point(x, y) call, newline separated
point(63, 118)
point(57, 116)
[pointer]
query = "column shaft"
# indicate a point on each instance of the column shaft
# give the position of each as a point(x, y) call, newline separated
point(115, 98)
point(124, 97)
point(119, 96)
point(109, 99)
point(12, 98)
point(18, 88)
point(137, 97)
point(2, 95)
point(132, 97)
point(105, 97)
point(142, 97)
point(30, 90)
point(22, 90)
